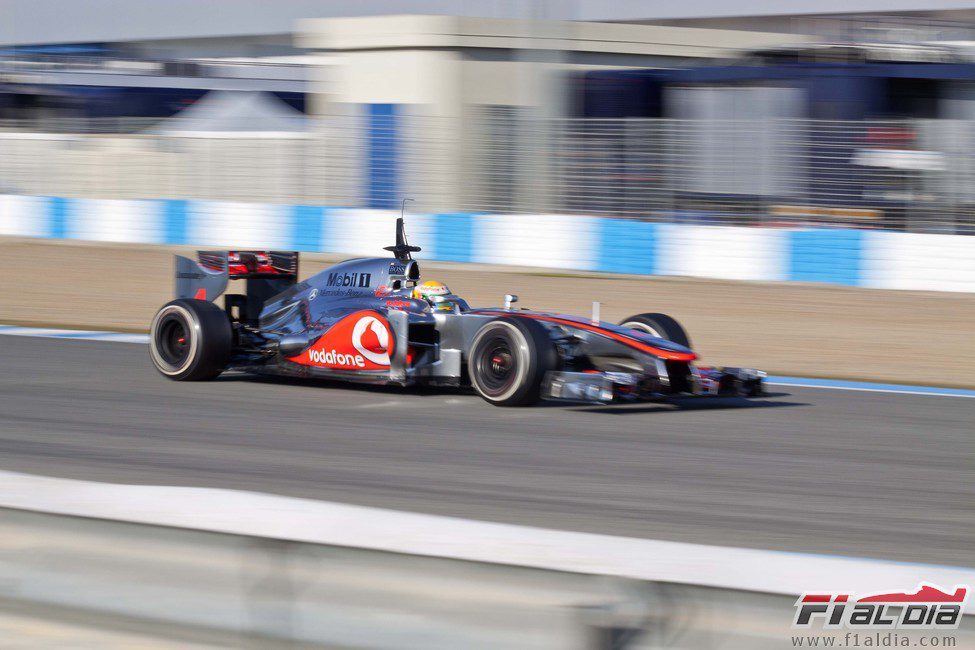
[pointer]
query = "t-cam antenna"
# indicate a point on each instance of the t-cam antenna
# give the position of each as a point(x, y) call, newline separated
point(402, 249)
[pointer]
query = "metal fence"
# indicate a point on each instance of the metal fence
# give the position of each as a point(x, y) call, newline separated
point(903, 175)
point(912, 175)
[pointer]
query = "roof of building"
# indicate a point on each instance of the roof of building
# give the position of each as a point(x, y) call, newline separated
point(93, 21)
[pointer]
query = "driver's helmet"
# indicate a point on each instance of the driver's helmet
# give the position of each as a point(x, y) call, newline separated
point(428, 290)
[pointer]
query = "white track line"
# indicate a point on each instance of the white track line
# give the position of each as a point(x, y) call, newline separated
point(905, 390)
point(83, 335)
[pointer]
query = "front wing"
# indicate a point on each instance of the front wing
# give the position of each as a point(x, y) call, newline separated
point(606, 387)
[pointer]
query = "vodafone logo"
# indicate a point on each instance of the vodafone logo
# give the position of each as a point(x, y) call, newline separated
point(333, 358)
point(370, 338)
point(359, 341)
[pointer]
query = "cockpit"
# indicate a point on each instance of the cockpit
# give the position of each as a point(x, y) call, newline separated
point(430, 295)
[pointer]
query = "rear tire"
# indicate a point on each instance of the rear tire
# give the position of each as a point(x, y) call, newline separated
point(190, 340)
point(508, 360)
point(660, 325)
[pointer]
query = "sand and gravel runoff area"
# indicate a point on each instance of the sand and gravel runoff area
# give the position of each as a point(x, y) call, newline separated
point(810, 330)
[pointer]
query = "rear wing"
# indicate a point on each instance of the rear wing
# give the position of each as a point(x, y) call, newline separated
point(245, 265)
point(267, 273)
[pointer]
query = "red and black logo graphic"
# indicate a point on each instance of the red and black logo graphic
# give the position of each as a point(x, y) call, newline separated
point(928, 607)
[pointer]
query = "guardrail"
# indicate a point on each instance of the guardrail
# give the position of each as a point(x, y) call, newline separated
point(243, 569)
point(875, 259)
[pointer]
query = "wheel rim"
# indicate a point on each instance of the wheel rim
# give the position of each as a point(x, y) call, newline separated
point(174, 340)
point(497, 366)
point(174, 343)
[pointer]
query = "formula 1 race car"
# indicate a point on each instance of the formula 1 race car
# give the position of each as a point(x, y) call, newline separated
point(362, 321)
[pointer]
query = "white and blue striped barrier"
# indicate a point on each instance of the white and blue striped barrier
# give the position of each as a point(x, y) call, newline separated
point(875, 259)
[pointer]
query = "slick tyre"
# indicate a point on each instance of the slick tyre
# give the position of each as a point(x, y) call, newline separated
point(508, 360)
point(660, 325)
point(190, 340)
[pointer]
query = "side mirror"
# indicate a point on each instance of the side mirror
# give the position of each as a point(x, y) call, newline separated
point(509, 299)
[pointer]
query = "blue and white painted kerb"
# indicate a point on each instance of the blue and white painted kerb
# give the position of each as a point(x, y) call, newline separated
point(876, 259)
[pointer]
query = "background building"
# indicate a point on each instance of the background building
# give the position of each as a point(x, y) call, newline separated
point(621, 109)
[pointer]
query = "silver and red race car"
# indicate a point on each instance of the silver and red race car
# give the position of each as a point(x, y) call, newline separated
point(361, 321)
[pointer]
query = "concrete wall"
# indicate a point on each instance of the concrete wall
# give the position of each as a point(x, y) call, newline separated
point(414, 59)
point(399, 77)
point(451, 66)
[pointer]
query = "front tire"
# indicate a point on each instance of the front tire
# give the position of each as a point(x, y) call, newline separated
point(508, 360)
point(660, 325)
point(190, 340)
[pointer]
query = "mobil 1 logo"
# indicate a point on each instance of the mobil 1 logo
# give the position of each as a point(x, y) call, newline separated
point(363, 280)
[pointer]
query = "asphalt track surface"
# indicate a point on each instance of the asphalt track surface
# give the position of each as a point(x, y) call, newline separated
point(816, 470)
